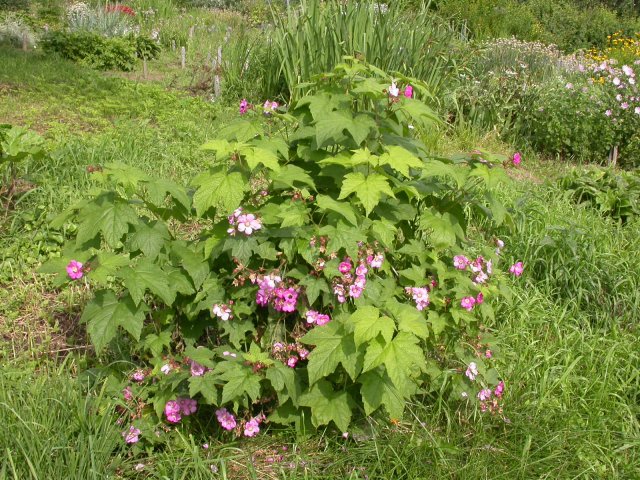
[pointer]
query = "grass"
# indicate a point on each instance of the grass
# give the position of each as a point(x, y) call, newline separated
point(570, 346)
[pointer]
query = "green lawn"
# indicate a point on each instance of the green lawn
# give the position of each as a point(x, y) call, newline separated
point(569, 342)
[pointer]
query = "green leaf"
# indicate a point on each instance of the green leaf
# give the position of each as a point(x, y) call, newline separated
point(221, 190)
point(105, 312)
point(108, 263)
point(327, 405)
point(267, 250)
point(292, 176)
point(201, 355)
point(150, 238)
point(240, 380)
point(400, 159)
point(255, 156)
point(333, 346)
point(157, 191)
point(343, 236)
point(330, 127)
point(156, 343)
point(240, 130)
point(438, 322)
point(400, 357)
point(384, 231)
point(325, 202)
point(223, 148)
point(283, 381)
point(293, 214)
point(108, 215)
point(369, 324)
point(409, 319)
point(442, 228)
point(207, 386)
point(147, 275)
point(193, 262)
point(378, 389)
point(369, 189)
point(313, 287)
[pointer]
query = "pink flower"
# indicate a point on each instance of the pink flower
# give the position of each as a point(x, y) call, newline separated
point(394, 91)
point(132, 435)
point(408, 91)
point(355, 291)
point(166, 369)
point(488, 354)
point(460, 262)
point(517, 158)
point(467, 303)
point(499, 389)
point(479, 298)
point(484, 394)
point(222, 311)
point(187, 406)
point(244, 106)
point(481, 278)
point(172, 411)
point(138, 376)
point(420, 295)
point(197, 370)
point(516, 269)
point(624, 105)
point(361, 269)
point(569, 86)
point(252, 428)
point(74, 270)
point(628, 71)
point(127, 394)
point(608, 113)
point(361, 281)
point(303, 352)
point(226, 419)
point(616, 81)
point(317, 318)
point(376, 260)
point(292, 361)
point(472, 371)
point(248, 223)
point(345, 267)
point(636, 110)
point(269, 107)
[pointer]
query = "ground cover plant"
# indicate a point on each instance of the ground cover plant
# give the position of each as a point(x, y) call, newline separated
point(562, 335)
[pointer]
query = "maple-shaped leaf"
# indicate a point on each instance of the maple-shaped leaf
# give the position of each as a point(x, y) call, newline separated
point(343, 236)
point(150, 238)
point(108, 214)
point(147, 275)
point(443, 229)
point(369, 189)
point(106, 265)
point(157, 193)
point(105, 313)
point(193, 262)
point(384, 231)
point(333, 346)
point(345, 209)
point(284, 381)
point(313, 286)
point(377, 389)
point(222, 148)
point(400, 357)
point(240, 130)
point(240, 380)
point(201, 355)
point(330, 126)
point(327, 405)
point(400, 159)
point(293, 214)
point(207, 386)
point(292, 176)
point(368, 325)
point(219, 189)
point(409, 318)
point(255, 156)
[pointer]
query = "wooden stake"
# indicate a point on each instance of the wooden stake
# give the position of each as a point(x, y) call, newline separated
point(173, 45)
point(191, 32)
point(216, 79)
point(25, 42)
point(183, 57)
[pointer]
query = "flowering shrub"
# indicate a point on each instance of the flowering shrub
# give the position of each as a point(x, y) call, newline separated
point(587, 114)
point(307, 273)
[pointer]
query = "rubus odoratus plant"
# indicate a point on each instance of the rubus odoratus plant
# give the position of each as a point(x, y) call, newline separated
point(319, 268)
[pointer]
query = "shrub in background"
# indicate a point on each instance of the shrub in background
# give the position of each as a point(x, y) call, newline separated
point(93, 50)
point(14, 28)
point(316, 268)
point(108, 21)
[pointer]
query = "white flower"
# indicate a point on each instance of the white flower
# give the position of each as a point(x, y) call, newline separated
point(394, 91)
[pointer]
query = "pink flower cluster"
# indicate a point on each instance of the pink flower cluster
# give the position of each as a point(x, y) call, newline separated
point(269, 107)
point(252, 426)
point(490, 400)
point(516, 269)
point(517, 158)
point(244, 106)
point(394, 91)
point(175, 409)
point(622, 80)
point(350, 285)
point(132, 435)
point(472, 371)
point(246, 223)
point(138, 375)
point(222, 311)
point(317, 318)
point(196, 369)
point(271, 291)
point(290, 354)
point(420, 295)
point(225, 419)
point(481, 268)
point(469, 302)
point(74, 270)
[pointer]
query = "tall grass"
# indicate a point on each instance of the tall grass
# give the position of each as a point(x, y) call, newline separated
point(313, 38)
